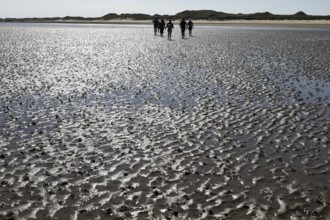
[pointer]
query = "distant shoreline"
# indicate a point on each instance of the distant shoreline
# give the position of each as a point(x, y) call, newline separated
point(271, 23)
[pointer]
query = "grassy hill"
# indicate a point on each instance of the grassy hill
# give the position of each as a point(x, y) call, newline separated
point(214, 15)
point(203, 14)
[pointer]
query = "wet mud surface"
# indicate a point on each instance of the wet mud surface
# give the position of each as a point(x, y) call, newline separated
point(111, 122)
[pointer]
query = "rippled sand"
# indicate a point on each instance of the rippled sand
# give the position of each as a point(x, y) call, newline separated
point(111, 122)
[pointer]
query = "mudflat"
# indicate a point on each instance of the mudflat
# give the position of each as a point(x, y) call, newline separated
point(112, 122)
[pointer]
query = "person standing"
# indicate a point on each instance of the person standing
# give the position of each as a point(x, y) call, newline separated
point(161, 27)
point(169, 27)
point(183, 26)
point(156, 24)
point(190, 27)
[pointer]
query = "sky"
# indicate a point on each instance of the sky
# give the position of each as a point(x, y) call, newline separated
point(97, 8)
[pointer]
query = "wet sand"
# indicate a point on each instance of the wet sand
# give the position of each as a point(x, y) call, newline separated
point(103, 122)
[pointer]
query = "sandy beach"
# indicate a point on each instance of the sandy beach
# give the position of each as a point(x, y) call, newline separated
point(112, 122)
point(283, 23)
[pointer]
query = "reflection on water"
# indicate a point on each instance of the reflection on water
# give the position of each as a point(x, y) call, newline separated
point(108, 121)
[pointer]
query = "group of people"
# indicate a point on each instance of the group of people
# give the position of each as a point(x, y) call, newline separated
point(160, 26)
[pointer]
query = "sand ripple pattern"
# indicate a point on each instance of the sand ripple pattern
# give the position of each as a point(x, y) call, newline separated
point(110, 122)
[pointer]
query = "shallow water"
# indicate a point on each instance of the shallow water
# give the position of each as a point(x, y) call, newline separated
point(111, 122)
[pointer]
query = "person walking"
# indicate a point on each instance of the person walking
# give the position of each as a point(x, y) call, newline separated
point(183, 26)
point(190, 27)
point(156, 25)
point(161, 27)
point(169, 27)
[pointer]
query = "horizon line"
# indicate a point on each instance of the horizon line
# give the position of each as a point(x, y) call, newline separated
point(156, 14)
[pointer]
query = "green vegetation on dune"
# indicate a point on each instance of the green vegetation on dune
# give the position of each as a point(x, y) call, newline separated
point(203, 14)
point(214, 15)
point(139, 16)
